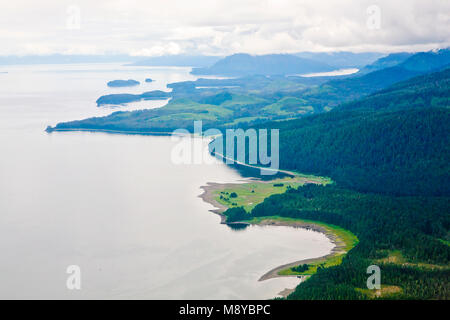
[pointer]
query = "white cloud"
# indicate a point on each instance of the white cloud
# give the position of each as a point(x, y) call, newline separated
point(170, 48)
point(150, 27)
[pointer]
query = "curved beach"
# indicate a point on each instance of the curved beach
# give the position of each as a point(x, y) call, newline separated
point(339, 245)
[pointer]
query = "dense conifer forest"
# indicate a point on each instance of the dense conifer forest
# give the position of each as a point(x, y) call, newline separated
point(388, 155)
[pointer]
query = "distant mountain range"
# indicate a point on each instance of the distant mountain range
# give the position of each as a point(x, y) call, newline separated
point(272, 64)
point(245, 64)
point(337, 60)
point(342, 60)
point(427, 61)
point(420, 62)
point(400, 67)
point(309, 62)
point(386, 62)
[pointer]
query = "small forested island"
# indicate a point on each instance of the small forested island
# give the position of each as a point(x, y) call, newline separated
point(122, 98)
point(123, 83)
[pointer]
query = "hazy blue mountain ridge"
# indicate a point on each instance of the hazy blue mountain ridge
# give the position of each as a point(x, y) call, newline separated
point(272, 64)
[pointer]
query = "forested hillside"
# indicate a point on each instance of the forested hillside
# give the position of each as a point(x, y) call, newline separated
point(404, 152)
point(394, 142)
point(389, 156)
point(405, 236)
point(396, 68)
point(430, 90)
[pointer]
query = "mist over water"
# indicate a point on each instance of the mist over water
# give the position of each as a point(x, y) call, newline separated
point(115, 204)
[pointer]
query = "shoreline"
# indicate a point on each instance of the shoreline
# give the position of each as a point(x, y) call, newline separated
point(144, 133)
point(208, 196)
point(339, 244)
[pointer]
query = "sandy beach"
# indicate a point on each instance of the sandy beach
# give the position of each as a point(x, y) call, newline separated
point(209, 196)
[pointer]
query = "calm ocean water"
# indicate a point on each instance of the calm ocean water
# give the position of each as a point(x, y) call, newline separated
point(116, 205)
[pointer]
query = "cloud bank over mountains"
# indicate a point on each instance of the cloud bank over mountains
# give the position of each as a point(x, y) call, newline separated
point(221, 27)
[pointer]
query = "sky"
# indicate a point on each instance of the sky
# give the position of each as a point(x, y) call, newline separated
point(221, 27)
